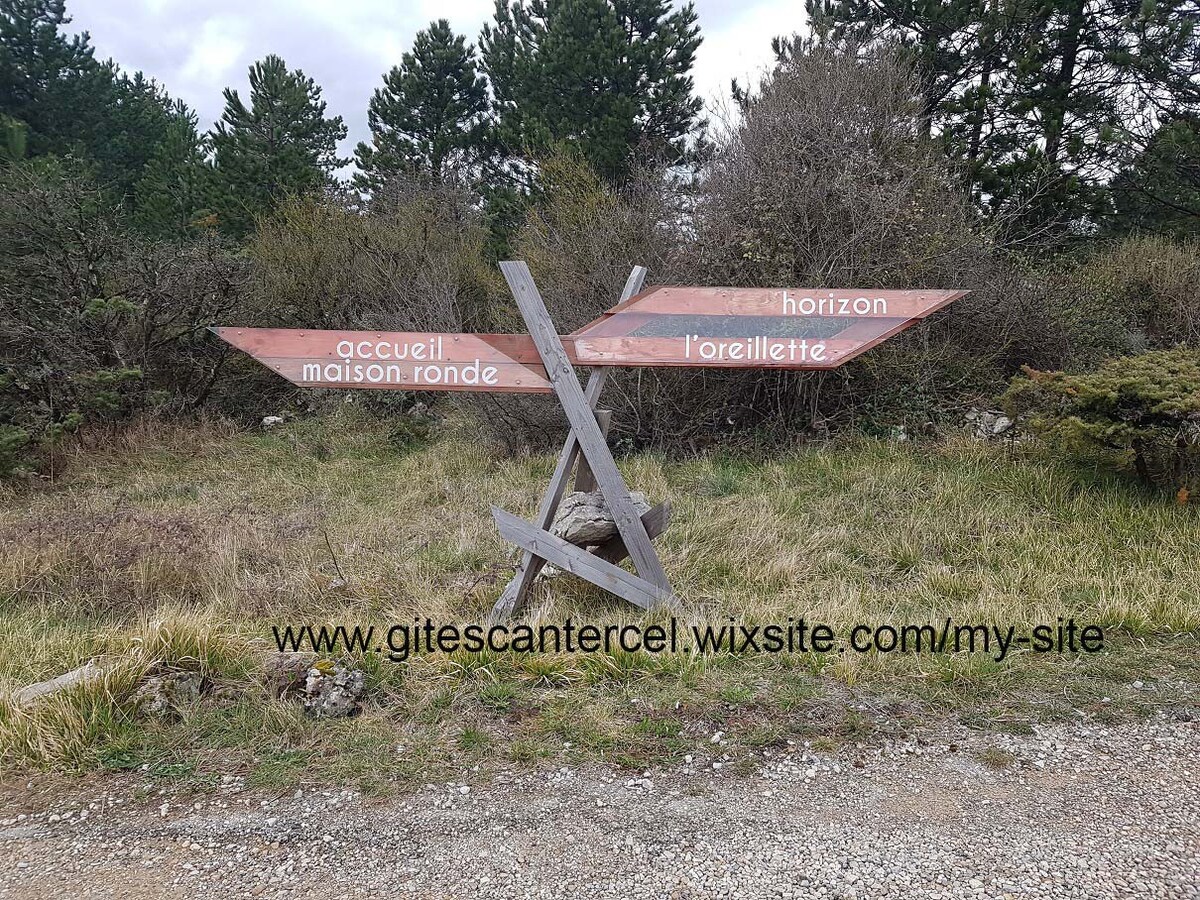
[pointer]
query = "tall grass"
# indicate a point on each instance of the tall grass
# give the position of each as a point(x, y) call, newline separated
point(179, 547)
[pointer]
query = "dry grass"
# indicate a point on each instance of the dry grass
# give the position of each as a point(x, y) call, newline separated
point(173, 547)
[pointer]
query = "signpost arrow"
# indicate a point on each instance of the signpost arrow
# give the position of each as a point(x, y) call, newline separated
point(395, 360)
point(748, 328)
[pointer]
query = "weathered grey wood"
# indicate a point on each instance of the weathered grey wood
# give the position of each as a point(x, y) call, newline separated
point(513, 597)
point(578, 561)
point(583, 422)
point(585, 481)
point(655, 521)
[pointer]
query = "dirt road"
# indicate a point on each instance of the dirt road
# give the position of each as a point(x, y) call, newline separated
point(1067, 812)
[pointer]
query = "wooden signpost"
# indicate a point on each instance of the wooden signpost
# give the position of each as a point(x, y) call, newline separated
point(757, 328)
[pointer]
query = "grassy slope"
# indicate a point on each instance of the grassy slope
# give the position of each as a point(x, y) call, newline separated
point(184, 546)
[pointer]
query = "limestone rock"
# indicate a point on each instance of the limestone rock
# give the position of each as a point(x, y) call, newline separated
point(159, 695)
point(333, 691)
point(989, 423)
point(285, 673)
point(584, 518)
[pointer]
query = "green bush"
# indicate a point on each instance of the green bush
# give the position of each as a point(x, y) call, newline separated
point(97, 323)
point(12, 445)
point(1141, 413)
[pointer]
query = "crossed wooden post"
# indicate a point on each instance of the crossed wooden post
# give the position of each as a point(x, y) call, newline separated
point(724, 327)
point(587, 436)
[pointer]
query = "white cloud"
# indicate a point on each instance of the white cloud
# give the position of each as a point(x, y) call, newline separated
point(215, 54)
point(741, 46)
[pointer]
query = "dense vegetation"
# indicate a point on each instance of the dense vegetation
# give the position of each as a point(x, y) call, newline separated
point(1045, 155)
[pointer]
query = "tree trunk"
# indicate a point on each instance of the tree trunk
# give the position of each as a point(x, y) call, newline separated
point(1059, 94)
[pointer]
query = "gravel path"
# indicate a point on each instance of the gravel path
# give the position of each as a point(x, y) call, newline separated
point(1075, 812)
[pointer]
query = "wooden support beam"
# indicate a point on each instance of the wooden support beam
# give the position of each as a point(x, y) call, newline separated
point(513, 597)
point(582, 417)
point(578, 561)
point(585, 481)
point(655, 521)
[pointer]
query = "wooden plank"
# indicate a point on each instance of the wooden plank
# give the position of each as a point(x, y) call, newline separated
point(701, 351)
point(655, 521)
point(787, 302)
point(395, 360)
point(299, 343)
point(585, 481)
point(380, 346)
point(577, 561)
point(513, 596)
point(583, 422)
point(358, 374)
point(520, 348)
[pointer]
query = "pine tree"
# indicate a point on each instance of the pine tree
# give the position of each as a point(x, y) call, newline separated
point(428, 119)
point(1159, 190)
point(173, 191)
point(38, 68)
point(120, 121)
point(609, 76)
point(71, 104)
point(282, 144)
point(954, 43)
point(1040, 98)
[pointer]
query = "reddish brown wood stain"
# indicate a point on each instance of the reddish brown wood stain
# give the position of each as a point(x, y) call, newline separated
point(509, 362)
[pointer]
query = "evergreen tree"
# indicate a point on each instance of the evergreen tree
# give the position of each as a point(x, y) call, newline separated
point(1159, 191)
point(956, 44)
point(1041, 98)
point(281, 144)
point(429, 117)
point(38, 66)
point(120, 121)
point(610, 76)
point(69, 103)
point(173, 191)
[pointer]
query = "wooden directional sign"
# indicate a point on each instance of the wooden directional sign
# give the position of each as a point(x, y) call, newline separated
point(792, 328)
point(665, 326)
point(753, 328)
point(395, 360)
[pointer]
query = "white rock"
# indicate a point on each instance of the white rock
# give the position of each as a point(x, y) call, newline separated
point(584, 518)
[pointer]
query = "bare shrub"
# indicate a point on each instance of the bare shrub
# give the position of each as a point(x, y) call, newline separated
point(829, 180)
point(1146, 286)
point(580, 240)
point(412, 261)
point(96, 323)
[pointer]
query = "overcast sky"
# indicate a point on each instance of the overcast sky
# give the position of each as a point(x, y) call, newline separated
point(197, 47)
